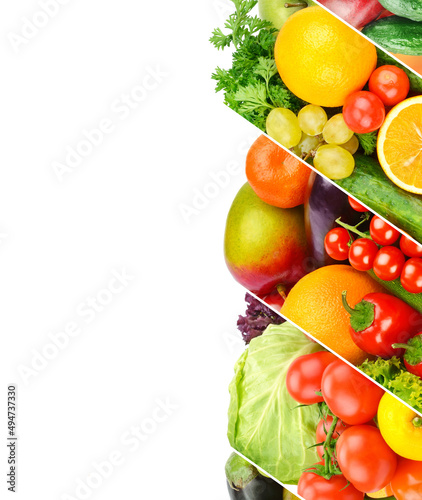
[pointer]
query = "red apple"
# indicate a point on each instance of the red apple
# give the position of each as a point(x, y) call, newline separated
point(357, 13)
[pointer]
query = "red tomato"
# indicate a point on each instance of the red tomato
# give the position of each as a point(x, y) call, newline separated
point(411, 275)
point(407, 481)
point(322, 430)
point(356, 205)
point(382, 233)
point(363, 112)
point(314, 487)
point(362, 254)
point(336, 243)
point(304, 376)
point(365, 458)
point(349, 394)
point(409, 247)
point(388, 263)
point(390, 84)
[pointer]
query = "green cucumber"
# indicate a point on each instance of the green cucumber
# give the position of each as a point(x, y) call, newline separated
point(396, 34)
point(371, 186)
point(413, 299)
point(412, 9)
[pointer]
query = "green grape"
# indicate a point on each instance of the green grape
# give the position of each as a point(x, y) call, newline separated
point(312, 119)
point(306, 144)
point(336, 131)
point(334, 161)
point(283, 126)
point(352, 145)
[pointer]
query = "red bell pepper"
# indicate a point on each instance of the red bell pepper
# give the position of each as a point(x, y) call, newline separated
point(381, 320)
point(413, 356)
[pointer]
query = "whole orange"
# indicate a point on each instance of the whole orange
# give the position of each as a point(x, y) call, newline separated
point(315, 305)
point(276, 176)
point(321, 59)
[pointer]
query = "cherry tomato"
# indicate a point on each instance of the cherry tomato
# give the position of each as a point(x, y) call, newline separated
point(336, 243)
point(363, 112)
point(382, 233)
point(362, 254)
point(304, 376)
point(323, 428)
point(388, 263)
point(356, 205)
point(314, 487)
point(365, 458)
point(349, 394)
point(390, 84)
point(409, 247)
point(411, 275)
point(407, 481)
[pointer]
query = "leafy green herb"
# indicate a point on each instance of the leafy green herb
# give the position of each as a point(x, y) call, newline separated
point(392, 374)
point(368, 142)
point(252, 86)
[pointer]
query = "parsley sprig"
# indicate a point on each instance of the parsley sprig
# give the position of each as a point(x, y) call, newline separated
point(252, 86)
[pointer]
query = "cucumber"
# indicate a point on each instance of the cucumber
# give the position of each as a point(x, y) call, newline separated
point(411, 9)
point(396, 34)
point(369, 184)
point(413, 299)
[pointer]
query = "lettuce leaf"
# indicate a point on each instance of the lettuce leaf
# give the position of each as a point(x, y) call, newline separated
point(392, 374)
point(265, 424)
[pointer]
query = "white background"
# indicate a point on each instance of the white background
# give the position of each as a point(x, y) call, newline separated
point(171, 333)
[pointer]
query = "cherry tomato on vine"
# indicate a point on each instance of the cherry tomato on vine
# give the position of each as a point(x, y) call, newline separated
point(314, 487)
point(411, 275)
point(349, 394)
point(323, 428)
point(407, 481)
point(365, 458)
point(381, 232)
point(304, 376)
point(390, 84)
point(409, 247)
point(388, 263)
point(356, 205)
point(363, 112)
point(362, 254)
point(336, 243)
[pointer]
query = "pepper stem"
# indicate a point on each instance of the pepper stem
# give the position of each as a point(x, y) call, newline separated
point(362, 316)
point(349, 309)
point(401, 346)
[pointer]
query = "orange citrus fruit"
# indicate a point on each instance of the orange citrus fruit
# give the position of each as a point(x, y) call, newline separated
point(315, 305)
point(399, 145)
point(275, 175)
point(322, 60)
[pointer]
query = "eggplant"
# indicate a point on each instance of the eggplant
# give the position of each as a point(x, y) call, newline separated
point(244, 482)
point(324, 203)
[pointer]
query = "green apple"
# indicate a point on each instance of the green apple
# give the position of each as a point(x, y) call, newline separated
point(276, 11)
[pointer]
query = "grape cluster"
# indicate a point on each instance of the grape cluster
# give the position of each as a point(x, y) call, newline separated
point(312, 133)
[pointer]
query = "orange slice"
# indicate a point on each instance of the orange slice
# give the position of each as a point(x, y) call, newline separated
point(399, 145)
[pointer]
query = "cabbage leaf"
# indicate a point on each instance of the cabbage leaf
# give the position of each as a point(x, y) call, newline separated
point(265, 423)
